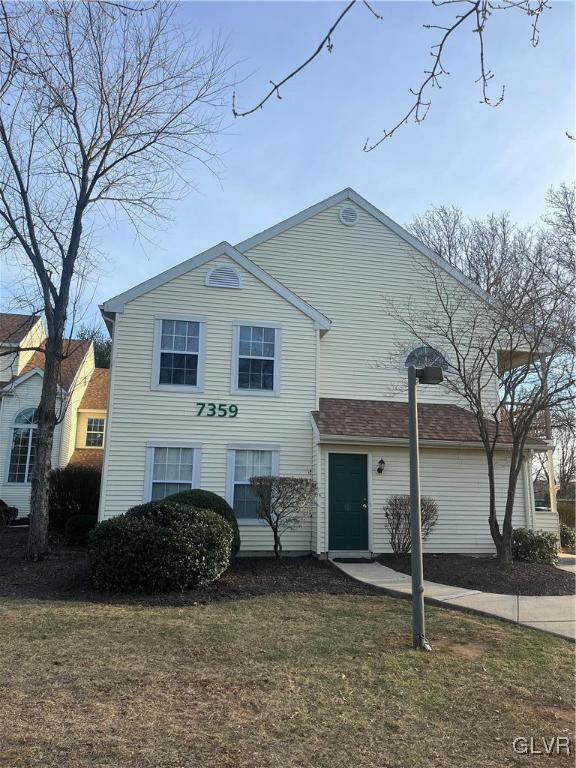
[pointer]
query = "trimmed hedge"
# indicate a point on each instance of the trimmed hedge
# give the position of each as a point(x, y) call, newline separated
point(208, 500)
point(567, 511)
point(73, 491)
point(159, 547)
point(7, 514)
point(534, 546)
point(77, 529)
point(568, 537)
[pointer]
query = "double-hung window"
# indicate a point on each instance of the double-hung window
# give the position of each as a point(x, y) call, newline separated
point(95, 432)
point(242, 465)
point(178, 358)
point(171, 469)
point(23, 449)
point(256, 359)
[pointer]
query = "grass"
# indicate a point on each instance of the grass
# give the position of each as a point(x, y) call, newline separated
point(294, 680)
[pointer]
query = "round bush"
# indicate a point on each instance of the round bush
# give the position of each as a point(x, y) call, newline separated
point(77, 529)
point(567, 537)
point(208, 500)
point(534, 546)
point(159, 547)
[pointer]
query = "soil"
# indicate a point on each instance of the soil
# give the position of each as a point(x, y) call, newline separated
point(63, 575)
point(485, 574)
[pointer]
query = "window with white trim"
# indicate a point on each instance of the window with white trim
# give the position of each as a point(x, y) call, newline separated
point(424, 356)
point(247, 464)
point(257, 357)
point(178, 353)
point(23, 450)
point(95, 432)
point(172, 471)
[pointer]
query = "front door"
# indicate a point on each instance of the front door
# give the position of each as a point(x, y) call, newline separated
point(348, 501)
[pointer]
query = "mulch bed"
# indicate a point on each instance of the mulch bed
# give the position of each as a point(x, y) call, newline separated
point(485, 574)
point(63, 575)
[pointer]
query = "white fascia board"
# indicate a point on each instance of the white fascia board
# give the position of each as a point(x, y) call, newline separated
point(117, 303)
point(354, 197)
point(401, 442)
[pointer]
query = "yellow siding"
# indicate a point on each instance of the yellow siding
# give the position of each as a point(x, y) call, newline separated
point(27, 395)
point(456, 479)
point(69, 422)
point(11, 365)
point(354, 275)
point(138, 414)
point(82, 425)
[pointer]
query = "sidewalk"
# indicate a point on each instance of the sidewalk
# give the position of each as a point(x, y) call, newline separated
point(554, 614)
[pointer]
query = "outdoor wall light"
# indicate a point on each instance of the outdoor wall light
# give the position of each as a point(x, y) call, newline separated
point(380, 467)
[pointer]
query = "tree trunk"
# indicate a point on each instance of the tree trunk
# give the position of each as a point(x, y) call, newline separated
point(277, 544)
point(492, 518)
point(38, 532)
point(505, 550)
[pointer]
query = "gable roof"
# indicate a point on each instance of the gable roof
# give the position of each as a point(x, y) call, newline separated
point(95, 398)
point(116, 304)
point(75, 351)
point(351, 195)
point(14, 327)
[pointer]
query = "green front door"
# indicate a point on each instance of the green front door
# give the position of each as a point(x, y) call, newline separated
point(348, 501)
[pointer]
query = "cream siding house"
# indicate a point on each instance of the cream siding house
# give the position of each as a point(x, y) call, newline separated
point(256, 358)
point(21, 372)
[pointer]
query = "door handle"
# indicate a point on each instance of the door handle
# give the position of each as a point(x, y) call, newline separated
point(364, 506)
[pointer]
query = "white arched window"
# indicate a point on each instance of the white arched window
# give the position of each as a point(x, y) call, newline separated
point(425, 356)
point(23, 448)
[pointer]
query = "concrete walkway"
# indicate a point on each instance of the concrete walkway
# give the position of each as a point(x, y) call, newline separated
point(556, 615)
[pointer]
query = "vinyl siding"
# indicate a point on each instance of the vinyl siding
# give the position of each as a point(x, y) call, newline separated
point(355, 275)
point(70, 420)
point(138, 414)
point(456, 479)
point(26, 395)
point(12, 364)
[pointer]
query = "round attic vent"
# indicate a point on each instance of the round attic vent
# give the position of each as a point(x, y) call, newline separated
point(348, 216)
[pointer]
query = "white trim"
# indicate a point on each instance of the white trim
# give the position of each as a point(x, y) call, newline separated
point(236, 325)
point(92, 410)
point(95, 418)
point(148, 474)
point(117, 303)
point(354, 197)
point(231, 449)
point(154, 384)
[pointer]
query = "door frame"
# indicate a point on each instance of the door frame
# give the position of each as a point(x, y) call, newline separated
point(325, 458)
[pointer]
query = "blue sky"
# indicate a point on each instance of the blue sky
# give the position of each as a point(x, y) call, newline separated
point(309, 145)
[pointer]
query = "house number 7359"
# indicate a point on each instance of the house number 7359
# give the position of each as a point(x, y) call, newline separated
point(220, 410)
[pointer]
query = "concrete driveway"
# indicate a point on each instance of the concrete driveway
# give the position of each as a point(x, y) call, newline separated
point(556, 615)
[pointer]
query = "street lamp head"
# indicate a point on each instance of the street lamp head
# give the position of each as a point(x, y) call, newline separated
point(431, 374)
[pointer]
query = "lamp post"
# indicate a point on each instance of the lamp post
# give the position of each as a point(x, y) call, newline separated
point(427, 375)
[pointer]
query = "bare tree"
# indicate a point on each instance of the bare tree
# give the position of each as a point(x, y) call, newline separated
point(563, 431)
point(102, 344)
point(103, 107)
point(474, 15)
point(511, 357)
point(283, 503)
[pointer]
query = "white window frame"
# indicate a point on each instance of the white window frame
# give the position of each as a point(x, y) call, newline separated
point(149, 472)
point(95, 447)
point(15, 426)
point(234, 389)
point(155, 384)
point(231, 449)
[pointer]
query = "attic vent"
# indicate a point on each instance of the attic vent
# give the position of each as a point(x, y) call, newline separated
point(223, 277)
point(348, 216)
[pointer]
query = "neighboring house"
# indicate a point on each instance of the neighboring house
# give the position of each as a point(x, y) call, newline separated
point(278, 356)
point(82, 405)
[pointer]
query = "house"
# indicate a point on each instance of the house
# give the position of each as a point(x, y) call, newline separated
point(265, 357)
point(82, 406)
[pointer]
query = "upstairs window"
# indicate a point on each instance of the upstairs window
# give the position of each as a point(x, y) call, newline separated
point(425, 356)
point(23, 450)
point(95, 432)
point(256, 368)
point(178, 354)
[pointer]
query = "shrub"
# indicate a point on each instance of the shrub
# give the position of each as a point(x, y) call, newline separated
point(73, 491)
point(208, 500)
point(77, 529)
point(7, 514)
point(568, 538)
point(567, 511)
point(534, 546)
point(397, 515)
point(159, 547)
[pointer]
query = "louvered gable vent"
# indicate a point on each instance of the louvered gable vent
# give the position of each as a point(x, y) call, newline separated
point(348, 215)
point(223, 277)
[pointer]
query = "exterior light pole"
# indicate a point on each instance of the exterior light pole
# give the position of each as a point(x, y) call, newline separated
point(428, 375)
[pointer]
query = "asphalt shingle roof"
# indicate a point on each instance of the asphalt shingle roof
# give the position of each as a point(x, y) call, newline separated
point(13, 328)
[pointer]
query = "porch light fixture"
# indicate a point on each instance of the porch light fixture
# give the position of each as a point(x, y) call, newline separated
point(427, 375)
point(380, 467)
